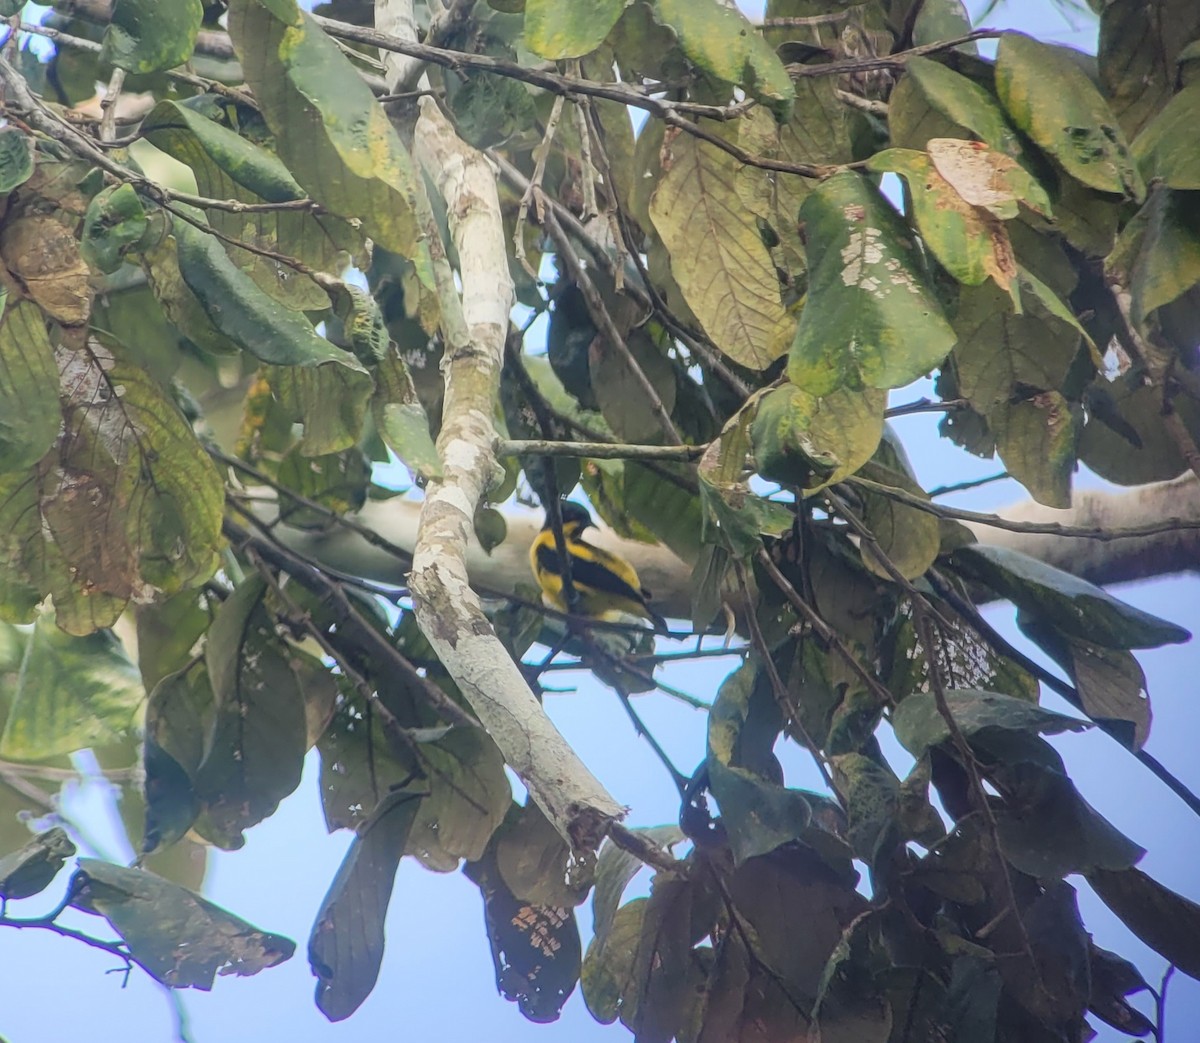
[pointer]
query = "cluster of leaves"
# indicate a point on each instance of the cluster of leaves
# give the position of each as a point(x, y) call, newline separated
point(761, 295)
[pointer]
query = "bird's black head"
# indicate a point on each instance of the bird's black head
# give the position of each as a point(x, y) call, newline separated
point(574, 515)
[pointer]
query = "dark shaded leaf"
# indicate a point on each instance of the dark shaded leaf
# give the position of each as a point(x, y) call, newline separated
point(178, 718)
point(337, 481)
point(261, 685)
point(605, 979)
point(176, 935)
point(1072, 605)
point(346, 945)
point(919, 725)
point(615, 868)
point(31, 869)
point(1164, 920)
point(536, 863)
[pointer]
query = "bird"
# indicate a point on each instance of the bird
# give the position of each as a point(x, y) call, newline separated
point(606, 585)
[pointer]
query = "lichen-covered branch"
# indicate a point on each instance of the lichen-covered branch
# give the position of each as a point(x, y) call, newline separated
point(447, 608)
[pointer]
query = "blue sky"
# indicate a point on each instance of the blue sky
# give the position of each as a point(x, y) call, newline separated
point(436, 981)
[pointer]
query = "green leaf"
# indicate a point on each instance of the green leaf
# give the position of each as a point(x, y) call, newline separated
point(401, 419)
point(718, 258)
point(337, 481)
point(115, 223)
point(910, 538)
point(758, 814)
point(179, 717)
point(1139, 70)
point(1158, 253)
point(869, 320)
point(815, 442)
point(1161, 150)
point(182, 939)
point(605, 978)
point(329, 400)
point(564, 29)
point(330, 132)
point(149, 36)
point(239, 310)
point(1071, 605)
point(1164, 920)
point(723, 42)
point(1048, 830)
point(960, 100)
point(30, 870)
point(262, 685)
point(615, 868)
point(227, 166)
point(29, 415)
point(72, 692)
point(919, 725)
point(16, 158)
point(871, 793)
point(1051, 100)
point(1036, 440)
point(345, 948)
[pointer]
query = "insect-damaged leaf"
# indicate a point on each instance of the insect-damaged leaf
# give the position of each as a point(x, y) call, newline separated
point(870, 319)
point(127, 502)
point(182, 939)
point(1050, 98)
point(346, 945)
point(535, 948)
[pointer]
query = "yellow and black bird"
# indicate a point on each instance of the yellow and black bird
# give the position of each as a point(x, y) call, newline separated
point(607, 585)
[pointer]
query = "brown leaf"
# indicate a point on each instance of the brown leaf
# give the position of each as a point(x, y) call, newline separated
point(44, 256)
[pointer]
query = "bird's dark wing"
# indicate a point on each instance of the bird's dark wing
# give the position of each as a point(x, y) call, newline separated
point(585, 573)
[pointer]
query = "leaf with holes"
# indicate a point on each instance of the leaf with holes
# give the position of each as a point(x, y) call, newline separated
point(870, 319)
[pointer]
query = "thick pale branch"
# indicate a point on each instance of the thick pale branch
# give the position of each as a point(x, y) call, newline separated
point(447, 608)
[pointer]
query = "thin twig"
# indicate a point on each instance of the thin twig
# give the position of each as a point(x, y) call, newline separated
point(604, 322)
point(1044, 528)
point(108, 105)
point(598, 450)
point(310, 577)
point(782, 697)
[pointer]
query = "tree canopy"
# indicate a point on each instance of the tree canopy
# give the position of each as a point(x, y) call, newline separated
point(682, 264)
